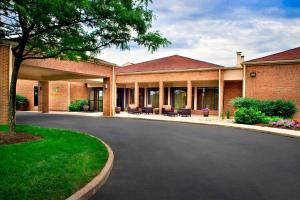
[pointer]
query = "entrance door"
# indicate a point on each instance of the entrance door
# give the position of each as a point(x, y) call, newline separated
point(96, 99)
point(120, 98)
point(141, 97)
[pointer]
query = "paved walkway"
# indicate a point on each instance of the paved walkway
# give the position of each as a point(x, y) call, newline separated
point(159, 160)
point(213, 120)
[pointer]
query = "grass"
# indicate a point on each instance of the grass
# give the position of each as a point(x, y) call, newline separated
point(52, 168)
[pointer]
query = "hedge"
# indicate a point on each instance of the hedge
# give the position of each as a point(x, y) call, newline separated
point(280, 108)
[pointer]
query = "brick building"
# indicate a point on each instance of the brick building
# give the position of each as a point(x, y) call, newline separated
point(176, 80)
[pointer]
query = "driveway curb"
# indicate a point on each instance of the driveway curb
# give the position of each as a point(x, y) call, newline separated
point(269, 130)
point(94, 185)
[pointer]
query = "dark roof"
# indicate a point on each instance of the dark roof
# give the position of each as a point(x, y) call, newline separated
point(292, 54)
point(171, 63)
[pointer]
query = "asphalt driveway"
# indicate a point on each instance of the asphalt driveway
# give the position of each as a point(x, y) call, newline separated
point(165, 160)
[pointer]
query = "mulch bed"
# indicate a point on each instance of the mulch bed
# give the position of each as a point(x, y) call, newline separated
point(17, 138)
point(281, 127)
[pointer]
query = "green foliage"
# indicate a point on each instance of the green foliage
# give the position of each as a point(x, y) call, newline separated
point(248, 116)
point(281, 108)
point(21, 101)
point(77, 29)
point(54, 167)
point(267, 119)
point(77, 105)
point(284, 109)
point(241, 102)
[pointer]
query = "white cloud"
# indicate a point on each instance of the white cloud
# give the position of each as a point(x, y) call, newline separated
point(216, 39)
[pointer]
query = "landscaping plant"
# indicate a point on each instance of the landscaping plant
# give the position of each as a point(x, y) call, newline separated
point(21, 102)
point(78, 105)
point(248, 116)
point(280, 108)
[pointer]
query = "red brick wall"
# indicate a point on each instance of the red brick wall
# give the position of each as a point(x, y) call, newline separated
point(4, 83)
point(274, 82)
point(79, 91)
point(232, 90)
point(26, 88)
point(58, 99)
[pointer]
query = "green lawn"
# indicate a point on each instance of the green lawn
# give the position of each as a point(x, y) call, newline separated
point(52, 168)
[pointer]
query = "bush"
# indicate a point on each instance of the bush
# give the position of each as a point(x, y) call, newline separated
point(241, 102)
point(77, 105)
point(21, 102)
point(281, 108)
point(248, 116)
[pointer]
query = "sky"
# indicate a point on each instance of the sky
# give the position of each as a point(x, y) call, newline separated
point(214, 30)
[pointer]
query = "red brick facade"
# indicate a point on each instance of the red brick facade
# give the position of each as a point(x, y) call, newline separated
point(274, 82)
point(232, 89)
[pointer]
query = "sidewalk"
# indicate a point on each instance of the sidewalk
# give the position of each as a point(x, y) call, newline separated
point(196, 119)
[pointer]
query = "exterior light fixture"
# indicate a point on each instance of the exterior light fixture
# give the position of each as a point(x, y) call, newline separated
point(105, 86)
point(253, 74)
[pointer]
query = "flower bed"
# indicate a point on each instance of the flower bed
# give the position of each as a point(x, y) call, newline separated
point(286, 123)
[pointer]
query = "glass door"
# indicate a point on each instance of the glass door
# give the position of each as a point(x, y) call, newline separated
point(96, 99)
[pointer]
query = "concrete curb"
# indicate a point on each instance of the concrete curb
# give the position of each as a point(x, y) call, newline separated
point(269, 130)
point(92, 187)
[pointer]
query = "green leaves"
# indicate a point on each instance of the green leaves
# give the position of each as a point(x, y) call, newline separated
point(70, 29)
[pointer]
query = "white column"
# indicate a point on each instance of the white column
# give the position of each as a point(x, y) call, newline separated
point(169, 96)
point(195, 98)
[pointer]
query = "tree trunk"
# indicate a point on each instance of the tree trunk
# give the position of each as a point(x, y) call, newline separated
point(12, 97)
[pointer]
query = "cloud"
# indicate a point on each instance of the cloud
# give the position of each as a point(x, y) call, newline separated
point(214, 31)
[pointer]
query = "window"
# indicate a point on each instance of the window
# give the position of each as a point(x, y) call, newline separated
point(36, 95)
point(131, 97)
point(207, 98)
point(179, 97)
point(153, 97)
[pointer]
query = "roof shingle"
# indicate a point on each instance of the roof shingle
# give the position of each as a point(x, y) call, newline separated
point(292, 54)
point(170, 63)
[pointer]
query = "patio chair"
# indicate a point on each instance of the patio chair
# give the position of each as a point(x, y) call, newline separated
point(166, 109)
point(148, 109)
point(185, 112)
point(131, 108)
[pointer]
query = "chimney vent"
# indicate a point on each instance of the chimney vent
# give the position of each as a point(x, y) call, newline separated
point(239, 59)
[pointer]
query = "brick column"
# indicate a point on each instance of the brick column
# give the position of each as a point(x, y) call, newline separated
point(4, 82)
point(189, 94)
point(107, 97)
point(161, 96)
point(43, 97)
point(221, 92)
point(136, 94)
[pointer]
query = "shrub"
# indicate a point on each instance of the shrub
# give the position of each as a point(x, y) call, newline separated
point(285, 109)
point(77, 105)
point(241, 102)
point(21, 101)
point(248, 116)
point(281, 108)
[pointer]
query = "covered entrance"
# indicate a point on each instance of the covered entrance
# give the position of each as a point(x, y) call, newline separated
point(45, 71)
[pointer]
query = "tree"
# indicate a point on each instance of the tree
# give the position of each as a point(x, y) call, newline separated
point(73, 30)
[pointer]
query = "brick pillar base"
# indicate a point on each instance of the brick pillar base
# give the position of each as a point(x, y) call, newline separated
point(107, 97)
point(43, 97)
